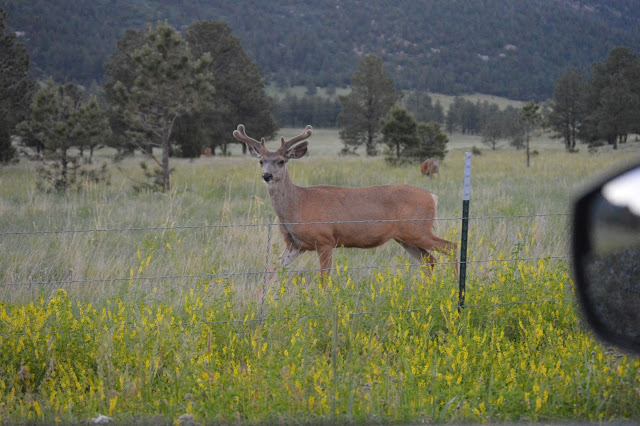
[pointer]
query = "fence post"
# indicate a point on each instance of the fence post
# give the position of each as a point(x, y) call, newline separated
point(465, 229)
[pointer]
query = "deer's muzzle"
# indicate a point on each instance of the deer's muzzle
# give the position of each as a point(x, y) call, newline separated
point(267, 177)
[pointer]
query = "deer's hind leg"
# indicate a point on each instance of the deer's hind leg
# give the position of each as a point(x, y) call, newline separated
point(433, 242)
point(419, 254)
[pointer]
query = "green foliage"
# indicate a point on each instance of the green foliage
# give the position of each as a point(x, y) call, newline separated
point(567, 109)
point(184, 115)
point(437, 46)
point(500, 125)
point(391, 349)
point(603, 109)
point(486, 119)
point(372, 95)
point(492, 132)
point(92, 129)
point(399, 134)
point(239, 92)
point(168, 84)
point(531, 119)
point(61, 119)
point(421, 106)
point(15, 88)
point(121, 68)
point(611, 100)
point(8, 153)
point(294, 111)
point(154, 179)
point(52, 177)
point(410, 142)
point(432, 142)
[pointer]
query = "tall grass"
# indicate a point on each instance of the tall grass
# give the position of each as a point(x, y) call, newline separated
point(228, 191)
point(147, 325)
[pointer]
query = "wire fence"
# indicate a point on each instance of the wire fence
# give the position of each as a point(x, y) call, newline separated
point(289, 272)
point(264, 271)
point(269, 225)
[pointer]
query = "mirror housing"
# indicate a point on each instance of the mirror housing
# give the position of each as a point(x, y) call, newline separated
point(606, 257)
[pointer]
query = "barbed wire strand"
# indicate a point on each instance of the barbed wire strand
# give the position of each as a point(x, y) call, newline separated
point(288, 272)
point(215, 275)
point(270, 223)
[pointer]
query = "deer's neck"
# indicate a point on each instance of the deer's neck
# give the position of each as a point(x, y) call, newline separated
point(284, 197)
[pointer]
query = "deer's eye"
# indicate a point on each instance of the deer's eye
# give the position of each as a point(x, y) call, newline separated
point(261, 162)
point(281, 162)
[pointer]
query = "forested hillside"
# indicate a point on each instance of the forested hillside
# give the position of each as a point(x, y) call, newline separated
point(508, 48)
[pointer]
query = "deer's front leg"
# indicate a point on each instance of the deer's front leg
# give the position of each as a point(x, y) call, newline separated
point(290, 254)
point(325, 255)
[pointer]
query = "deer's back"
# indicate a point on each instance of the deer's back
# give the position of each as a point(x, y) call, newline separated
point(350, 216)
point(371, 202)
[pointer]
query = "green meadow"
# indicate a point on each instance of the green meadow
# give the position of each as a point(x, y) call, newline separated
point(146, 307)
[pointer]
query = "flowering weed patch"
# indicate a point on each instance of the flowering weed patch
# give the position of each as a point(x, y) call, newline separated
point(389, 347)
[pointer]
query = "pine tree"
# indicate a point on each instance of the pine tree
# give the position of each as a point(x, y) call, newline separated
point(169, 84)
point(567, 113)
point(612, 99)
point(432, 142)
point(400, 135)
point(61, 119)
point(239, 96)
point(530, 118)
point(372, 95)
point(15, 88)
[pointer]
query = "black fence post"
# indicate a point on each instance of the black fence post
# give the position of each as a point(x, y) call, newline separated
point(465, 230)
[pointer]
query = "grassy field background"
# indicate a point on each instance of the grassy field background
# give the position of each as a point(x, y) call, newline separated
point(140, 324)
point(227, 191)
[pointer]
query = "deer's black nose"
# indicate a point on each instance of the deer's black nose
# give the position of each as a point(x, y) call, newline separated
point(267, 177)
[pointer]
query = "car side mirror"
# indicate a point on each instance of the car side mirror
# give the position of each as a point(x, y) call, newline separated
point(606, 257)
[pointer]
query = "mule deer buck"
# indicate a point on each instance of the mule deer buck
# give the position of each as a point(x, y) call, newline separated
point(323, 217)
point(430, 167)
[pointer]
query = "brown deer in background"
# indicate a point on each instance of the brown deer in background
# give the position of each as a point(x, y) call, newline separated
point(430, 167)
point(362, 217)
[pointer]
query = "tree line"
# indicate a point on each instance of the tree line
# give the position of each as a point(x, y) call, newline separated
point(602, 109)
point(432, 46)
point(175, 94)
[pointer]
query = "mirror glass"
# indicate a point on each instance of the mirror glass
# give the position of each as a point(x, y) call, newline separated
point(612, 264)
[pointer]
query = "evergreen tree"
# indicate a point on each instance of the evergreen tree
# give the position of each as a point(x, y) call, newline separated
point(421, 106)
point(567, 111)
point(612, 99)
point(492, 131)
point(121, 67)
point(239, 97)
point(432, 142)
point(15, 88)
point(168, 84)
point(530, 118)
point(400, 135)
point(52, 121)
point(363, 109)
point(92, 129)
point(62, 119)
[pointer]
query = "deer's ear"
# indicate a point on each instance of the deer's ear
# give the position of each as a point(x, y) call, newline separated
point(253, 151)
point(297, 151)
